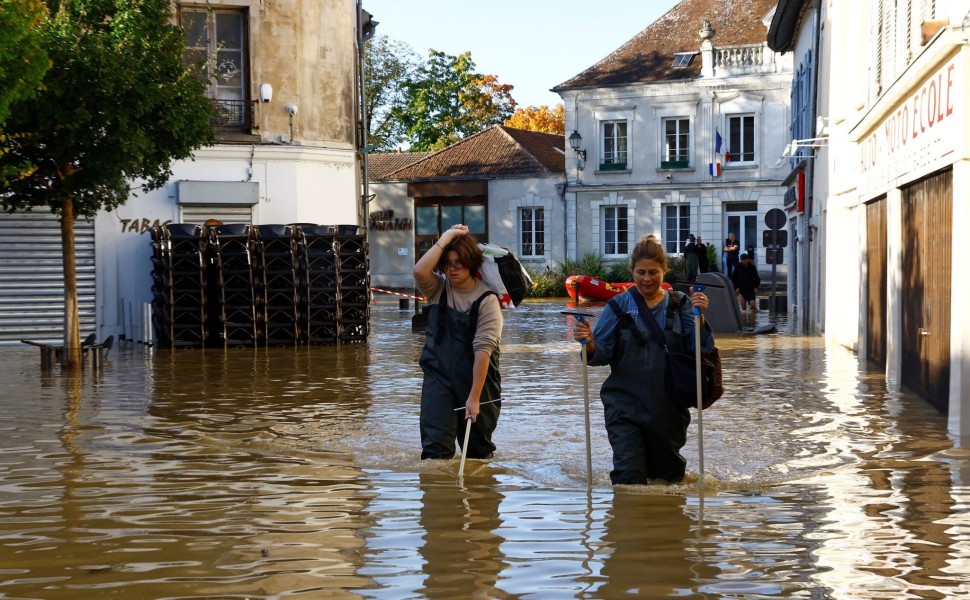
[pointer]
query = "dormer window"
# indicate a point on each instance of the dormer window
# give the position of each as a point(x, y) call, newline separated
point(683, 59)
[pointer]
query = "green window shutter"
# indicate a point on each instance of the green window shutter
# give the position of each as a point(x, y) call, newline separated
point(674, 164)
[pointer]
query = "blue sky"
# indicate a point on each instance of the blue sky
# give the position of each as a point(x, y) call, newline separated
point(530, 44)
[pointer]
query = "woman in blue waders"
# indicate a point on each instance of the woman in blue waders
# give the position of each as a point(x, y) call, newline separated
point(645, 428)
point(461, 351)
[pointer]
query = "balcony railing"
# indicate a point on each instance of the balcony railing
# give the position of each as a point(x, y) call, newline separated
point(751, 58)
point(235, 115)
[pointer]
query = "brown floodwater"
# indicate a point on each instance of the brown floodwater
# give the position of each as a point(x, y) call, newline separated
point(295, 473)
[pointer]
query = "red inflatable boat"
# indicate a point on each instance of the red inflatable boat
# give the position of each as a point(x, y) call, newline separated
point(594, 290)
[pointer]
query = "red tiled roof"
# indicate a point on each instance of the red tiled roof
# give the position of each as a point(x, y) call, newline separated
point(648, 57)
point(380, 164)
point(498, 151)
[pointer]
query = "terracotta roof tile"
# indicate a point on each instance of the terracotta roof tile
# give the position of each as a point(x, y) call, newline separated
point(498, 151)
point(381, 164)
point(648, 56)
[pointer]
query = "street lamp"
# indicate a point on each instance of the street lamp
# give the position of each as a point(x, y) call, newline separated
point(575, 141)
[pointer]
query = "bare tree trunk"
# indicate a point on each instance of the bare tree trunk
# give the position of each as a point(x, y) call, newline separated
point(71, 359)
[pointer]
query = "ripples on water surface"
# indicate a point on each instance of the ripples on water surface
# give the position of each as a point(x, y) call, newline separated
point(295, 473)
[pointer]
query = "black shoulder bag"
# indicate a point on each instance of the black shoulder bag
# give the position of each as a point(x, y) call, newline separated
point(680, 373)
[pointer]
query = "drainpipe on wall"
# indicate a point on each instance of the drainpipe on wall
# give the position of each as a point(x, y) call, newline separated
point(366, 28)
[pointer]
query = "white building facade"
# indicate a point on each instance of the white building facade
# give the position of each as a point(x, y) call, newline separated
point(890, 158)
point(899, 171)
point(693, 147)
point(286, 151)
point(505, 184)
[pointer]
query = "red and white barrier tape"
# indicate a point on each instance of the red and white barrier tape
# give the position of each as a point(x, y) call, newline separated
point(397, 294)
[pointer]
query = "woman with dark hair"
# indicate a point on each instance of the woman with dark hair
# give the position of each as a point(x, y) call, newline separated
point(646, 429)
point(461, 351)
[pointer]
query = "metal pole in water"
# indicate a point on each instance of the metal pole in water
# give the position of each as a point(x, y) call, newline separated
point(700, 405)
point(581, 318)
point(464, 448)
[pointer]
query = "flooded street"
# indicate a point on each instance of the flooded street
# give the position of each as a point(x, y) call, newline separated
point(296, 473)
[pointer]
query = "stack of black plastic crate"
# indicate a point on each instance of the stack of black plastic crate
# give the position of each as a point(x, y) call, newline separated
point(352, 266)
point(179, 285)
point(233, 304)
point(318, 283)
point(244, 285)
point(276, 260)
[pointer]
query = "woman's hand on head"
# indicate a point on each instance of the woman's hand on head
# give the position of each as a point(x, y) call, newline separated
point(455, 231)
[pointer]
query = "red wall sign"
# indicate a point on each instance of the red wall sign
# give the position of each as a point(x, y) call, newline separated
point(795, 196)
point(801, 192)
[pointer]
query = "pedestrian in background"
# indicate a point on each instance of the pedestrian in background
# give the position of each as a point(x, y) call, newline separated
point(702, 262)
point(746, 282)
point(691, 252)
point(646, 429)
point(731, 250)
point(461, 350)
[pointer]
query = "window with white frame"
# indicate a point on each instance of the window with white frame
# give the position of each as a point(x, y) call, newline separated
point(614, 146)
point(676, 227)
point(740, 138)
point(676, 143)
point(532, 232)
point(616, 231)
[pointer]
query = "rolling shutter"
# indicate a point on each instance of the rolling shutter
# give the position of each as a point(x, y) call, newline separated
point(32, 277)
point(227, 213)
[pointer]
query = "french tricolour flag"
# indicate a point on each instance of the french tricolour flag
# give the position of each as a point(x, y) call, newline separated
point(719, 148)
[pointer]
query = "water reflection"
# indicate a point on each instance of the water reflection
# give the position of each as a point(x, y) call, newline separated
point(295, 472)
point(648, 548)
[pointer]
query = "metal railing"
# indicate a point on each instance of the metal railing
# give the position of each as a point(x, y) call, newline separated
point(235, 115)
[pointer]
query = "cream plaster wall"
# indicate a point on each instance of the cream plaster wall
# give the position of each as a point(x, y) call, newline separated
point(306, 49)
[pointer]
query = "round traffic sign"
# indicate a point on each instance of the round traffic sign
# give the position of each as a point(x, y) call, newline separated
point(775, 218)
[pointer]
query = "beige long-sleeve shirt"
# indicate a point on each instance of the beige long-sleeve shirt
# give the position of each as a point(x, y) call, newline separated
point(488, 334)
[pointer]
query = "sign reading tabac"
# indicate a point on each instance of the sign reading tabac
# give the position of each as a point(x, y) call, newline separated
point(923, 132)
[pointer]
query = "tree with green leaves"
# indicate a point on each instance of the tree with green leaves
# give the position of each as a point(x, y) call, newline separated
point(23, 60)
point(388, 66)
point(116, 108)
point(448, 100)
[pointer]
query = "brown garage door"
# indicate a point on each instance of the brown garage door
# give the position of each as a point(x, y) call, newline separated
point(926, 281)
point(876, 285)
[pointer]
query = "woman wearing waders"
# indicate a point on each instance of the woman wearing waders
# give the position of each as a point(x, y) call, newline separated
point(460, 356)
point(645, 428)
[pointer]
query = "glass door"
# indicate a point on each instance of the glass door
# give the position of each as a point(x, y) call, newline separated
point(434, 215)
point(744, 226)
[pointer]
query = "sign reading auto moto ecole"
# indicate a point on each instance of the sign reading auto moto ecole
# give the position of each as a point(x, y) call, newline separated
point(921, 134)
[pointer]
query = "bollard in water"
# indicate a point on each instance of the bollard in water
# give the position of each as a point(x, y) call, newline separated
point(402, 303)
point(46, 358)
